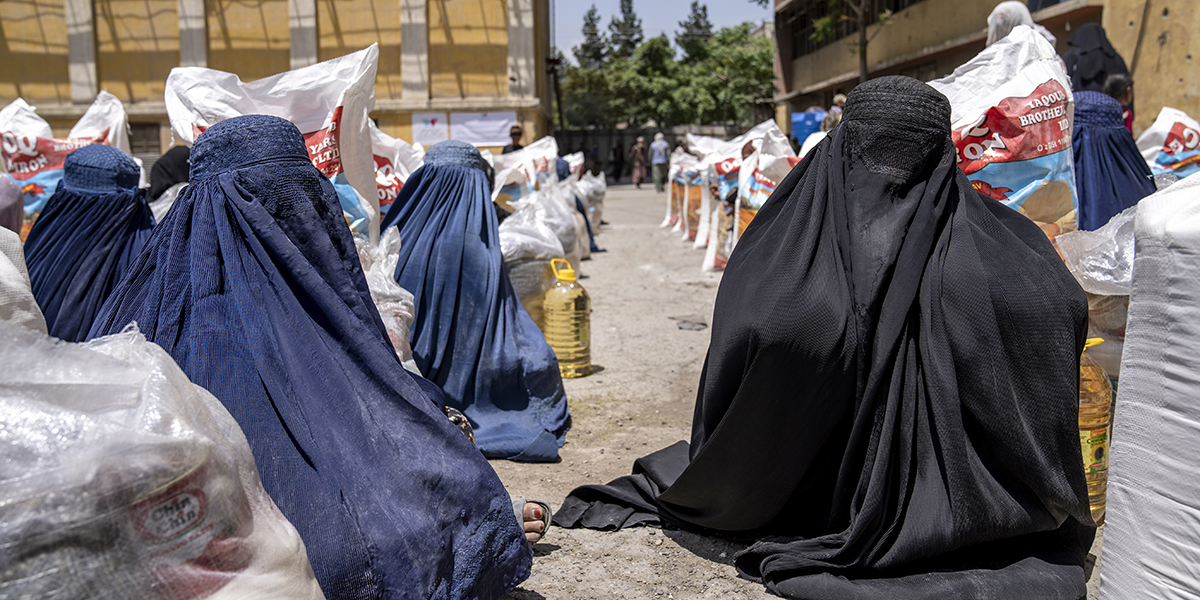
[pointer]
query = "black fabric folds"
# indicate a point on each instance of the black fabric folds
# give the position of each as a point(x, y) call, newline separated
point(171, 169)
point(252, 283)
point(1092, 59)
point(89, 232)
point(890, 397)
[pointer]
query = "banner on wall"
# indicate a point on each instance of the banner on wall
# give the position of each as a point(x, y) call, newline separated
point(482, 129)
point(430, 128)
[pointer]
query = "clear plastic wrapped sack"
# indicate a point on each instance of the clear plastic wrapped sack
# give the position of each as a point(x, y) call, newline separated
point(528, 243)
point(122, 479)
point(593, 188)
point(1102, 263)
point(394, 303)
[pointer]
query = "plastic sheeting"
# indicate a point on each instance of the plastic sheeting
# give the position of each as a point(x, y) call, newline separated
point(1151, 541)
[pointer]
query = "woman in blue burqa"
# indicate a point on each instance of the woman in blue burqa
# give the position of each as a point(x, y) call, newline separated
point(253, 285)
point(87, 235)
point(471, 336)
point(1110, 173)
point(889, 404)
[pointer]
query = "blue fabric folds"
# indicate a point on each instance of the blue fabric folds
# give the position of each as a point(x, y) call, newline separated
point(1110, 173)
point(253, 285)
point(90, 230)
point(471, 336)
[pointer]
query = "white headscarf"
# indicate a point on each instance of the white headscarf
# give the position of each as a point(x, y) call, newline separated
point(17, 304)
point(658, 137)
point(1008, 15)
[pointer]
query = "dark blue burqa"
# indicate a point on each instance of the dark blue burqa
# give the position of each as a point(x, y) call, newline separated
point(471, 336)
point(1110, 173)
point(90, 230)
point(253, 285)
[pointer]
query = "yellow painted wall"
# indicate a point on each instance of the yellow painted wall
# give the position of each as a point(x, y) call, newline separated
point(33, 52)
point(396, 125)
point(138, 45)
point(1165, 64)
point(345, 26)
point(249, 38)
point(468, 49)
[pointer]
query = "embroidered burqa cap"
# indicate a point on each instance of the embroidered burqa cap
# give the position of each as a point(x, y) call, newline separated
point(471, 335)
point(1110, 173)
point(87, 235)
point(252, 283)
point(890, 398)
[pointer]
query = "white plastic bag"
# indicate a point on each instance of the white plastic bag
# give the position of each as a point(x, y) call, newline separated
point(395, 161)
point(575, 162)
point(1012, 110)
point(329, 102)
point(162, 205)
point(593, 188)
point(528, 244)
point(34, 158)
point(1151, 541)
point(1102, 263)
point(394, 303)
point(122, 479)
point(1172, 143)
point(522, 172)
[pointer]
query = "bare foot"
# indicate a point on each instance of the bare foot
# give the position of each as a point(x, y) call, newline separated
point(534, 523)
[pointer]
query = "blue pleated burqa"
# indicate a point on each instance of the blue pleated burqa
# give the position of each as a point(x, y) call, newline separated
point(253, 285)
point(1110, 173)
point(471, 336)
point(90, 230)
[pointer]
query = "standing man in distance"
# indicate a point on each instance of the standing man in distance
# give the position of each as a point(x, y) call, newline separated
point(658, 158)
point(515, 133)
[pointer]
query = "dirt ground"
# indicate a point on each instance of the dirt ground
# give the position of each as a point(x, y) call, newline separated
point(639, 399)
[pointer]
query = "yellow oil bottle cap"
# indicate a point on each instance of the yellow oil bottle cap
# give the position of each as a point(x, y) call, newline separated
point(562, 269)
point(1092, 342)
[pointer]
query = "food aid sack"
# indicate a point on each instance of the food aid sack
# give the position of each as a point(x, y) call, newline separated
point(724, 164)
point(678, 162)
point(395, 160)
point(528, 243)
point(1151, 541)
point(593, 188)
point(1172, 143)
point(394, 303)
point(1102, 263)
point(575, 163)
point(704, 218)
point(33, 157)
point(1012, 110)
point(329, 103)
point(772, 159)
point(522, 172)
point(122, 479)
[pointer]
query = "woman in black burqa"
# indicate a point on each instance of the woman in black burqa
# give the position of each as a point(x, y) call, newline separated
point(891, 391)
point(1092, 59)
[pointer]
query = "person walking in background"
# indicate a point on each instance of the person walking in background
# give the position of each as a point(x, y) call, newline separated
point(637, 161)
point(839, 103)
point(515, 133)
point(1120, 88)
point(659, 151)
point(617, 162)
point(1092, 59)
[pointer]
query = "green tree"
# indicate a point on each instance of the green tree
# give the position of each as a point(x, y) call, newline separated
point(590, 52)
point(586, 97)
point(737, 70)
point(859, 11)
point(624, 34)
point(696, 32)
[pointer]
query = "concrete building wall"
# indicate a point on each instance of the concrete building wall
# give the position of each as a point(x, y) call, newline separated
point(251, 39)
point(468, 49)
point(345, 26)
point(137, 46)
point(1158, 40)
point(33, 52)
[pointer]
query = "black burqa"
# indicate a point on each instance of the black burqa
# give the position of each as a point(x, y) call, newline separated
point(1092, 59)
point(891, 392)
point(171, 169)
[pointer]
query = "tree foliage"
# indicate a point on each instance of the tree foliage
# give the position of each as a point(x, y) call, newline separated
point(625, 34)
point(718, 81)
point(590, 52)
point(696, 31)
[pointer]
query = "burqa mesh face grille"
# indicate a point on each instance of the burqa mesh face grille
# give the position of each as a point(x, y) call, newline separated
point(889, 401)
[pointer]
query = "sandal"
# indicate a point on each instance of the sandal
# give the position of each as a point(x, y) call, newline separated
point(518, 505)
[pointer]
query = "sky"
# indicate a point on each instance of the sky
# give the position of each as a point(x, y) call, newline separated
point(658, 16)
